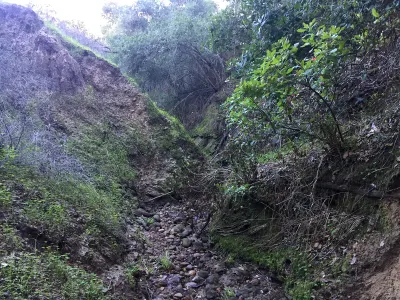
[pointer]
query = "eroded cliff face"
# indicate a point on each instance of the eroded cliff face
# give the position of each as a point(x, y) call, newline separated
point(74, 89)
point(81, 132)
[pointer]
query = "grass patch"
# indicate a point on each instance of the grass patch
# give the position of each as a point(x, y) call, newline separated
point(75, 46)
point(165, 262)
point(46, 276)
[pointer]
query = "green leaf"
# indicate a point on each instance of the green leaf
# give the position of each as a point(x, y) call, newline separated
point(301, 30)
point(375, 13)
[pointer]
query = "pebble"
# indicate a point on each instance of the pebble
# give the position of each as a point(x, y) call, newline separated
point(186, 242)
point(178, 220)
point(202, 274)
point(186, 233)
point(192, 285)
point(178, 296)
point(177, 228)
point(198, 279)
point(213, 279)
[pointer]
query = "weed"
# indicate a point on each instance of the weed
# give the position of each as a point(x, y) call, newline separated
point(150, 221)
point(131, 272)
point(165, 262)
point(228, 293)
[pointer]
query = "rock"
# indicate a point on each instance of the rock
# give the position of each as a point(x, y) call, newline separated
point(157, 218)
point(178, 296)
point(213, 279)
point(142, 222)
point(178, 220)
point(186, 232)
point(211, 292)
point(162, 283)
point(255, 281)
point(142, 212)
point(202, 274)
point(177, 228)
point(178, 288)
point(192, 285)
point(242, 272)
point(245, 292)
point(173, 280)
point(204, 239)
point(198, 279)
point(192, 272)
point(186, 242)
point(219, 269)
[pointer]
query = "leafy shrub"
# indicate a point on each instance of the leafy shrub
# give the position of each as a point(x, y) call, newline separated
point(297, 90)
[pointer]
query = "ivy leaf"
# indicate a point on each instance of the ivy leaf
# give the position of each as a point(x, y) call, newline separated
point(375, 13)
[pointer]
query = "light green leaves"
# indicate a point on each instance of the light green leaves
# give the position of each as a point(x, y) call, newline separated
point(287, 84)
point(375, 13)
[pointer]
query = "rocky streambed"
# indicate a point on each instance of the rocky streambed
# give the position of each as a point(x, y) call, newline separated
point(173, 261)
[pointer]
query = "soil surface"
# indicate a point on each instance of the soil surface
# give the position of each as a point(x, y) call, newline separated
point(177, 261)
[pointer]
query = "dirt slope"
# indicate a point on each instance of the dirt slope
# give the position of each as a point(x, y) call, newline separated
point(77, 89)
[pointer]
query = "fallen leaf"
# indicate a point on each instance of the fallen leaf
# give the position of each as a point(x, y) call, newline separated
point(353, 260)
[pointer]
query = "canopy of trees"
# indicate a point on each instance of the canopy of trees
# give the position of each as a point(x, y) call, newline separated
point(164, 47)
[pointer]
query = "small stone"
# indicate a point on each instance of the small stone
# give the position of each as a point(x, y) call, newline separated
point(142, 212)
point(213, 279)
point(178, 220)
point(186, 233)
point(198, 279)
point(157, 218)
point(177, 228)
point(192, 285)
point(178, 296)
point(219, 269)
point(202, 274)
point(192, 272)
point(186, 242)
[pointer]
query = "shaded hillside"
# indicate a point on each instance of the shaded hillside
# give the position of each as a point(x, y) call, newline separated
point(79, 145)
